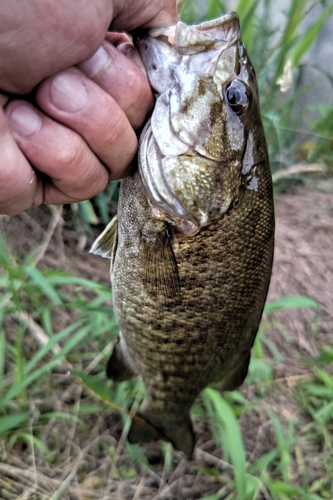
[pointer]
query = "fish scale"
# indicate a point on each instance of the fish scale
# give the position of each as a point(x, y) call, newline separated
point(190, 268)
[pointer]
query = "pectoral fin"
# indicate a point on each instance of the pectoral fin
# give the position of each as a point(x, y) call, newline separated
point(238, 374)
point(106, 243)
point(120, 366)
point(159, 266)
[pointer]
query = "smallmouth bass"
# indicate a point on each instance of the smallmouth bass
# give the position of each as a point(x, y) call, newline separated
point(192, 246)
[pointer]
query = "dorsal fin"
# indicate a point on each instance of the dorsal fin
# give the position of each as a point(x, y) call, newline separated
point(106, 243)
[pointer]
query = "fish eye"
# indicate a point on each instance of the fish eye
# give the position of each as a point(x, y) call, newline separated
point(237, 96)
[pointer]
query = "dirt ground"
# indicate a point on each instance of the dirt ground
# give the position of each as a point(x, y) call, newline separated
point(303, 265)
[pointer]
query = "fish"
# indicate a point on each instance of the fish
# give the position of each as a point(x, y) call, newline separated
point(191, 247)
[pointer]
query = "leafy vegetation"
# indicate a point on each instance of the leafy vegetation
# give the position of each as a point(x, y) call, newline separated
point(279, 51)
point(40, 349)
point(56, 331)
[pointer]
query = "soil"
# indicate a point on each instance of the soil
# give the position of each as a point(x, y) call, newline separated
point(303, 265)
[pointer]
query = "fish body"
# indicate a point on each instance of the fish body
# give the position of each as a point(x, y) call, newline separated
point(192, 247)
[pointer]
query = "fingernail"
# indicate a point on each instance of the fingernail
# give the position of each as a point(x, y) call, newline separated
point(92, 66)
point(24, 120)
point(68, 92)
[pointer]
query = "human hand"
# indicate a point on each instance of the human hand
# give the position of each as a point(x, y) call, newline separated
point(82, 135)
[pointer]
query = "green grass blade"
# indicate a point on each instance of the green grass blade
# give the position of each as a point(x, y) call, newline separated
point(215, 9)
point(17, 387)
point(47, 348)
point(33, 442)
point(308, 38)
point(283, 444)
point(324, 414)
point(263, 462)
point(287, 490)
point(213, 497)
point(3, 251)
point(188, 12)
point(290, 302)
point(96, 385)
point(2, 356)
point(102, 204)
point(233, 437)
point(43, 284)
point(246, 11)
point(10, 422)
point(168, 456)
point(135, 451)
point(58, 279)
point(324, 377)
point(244, 7)
point(87, 212)
point(294, 16)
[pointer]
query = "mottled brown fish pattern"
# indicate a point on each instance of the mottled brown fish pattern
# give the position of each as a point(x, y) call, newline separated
point(192, 247)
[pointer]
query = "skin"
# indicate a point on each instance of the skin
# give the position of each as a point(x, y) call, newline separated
point(71, 96)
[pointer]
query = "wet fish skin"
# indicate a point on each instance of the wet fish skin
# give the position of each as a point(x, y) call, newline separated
point(191, 260)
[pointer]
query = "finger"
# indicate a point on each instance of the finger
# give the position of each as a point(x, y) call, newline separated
point(40, 38)
point(144, 14)
point(132, 53)
point(123, 44)
point(18, 181)
point(73, 171)
point(122, 75)
point(80, 104)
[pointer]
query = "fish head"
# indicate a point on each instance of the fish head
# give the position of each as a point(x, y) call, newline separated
point(191, 151)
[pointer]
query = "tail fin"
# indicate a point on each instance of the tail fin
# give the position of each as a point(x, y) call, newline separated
point(180, 434)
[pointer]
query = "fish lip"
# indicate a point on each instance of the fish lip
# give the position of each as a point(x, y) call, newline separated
point(231, 19)
point(229, 24)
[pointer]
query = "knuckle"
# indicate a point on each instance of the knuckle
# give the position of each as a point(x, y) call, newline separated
point(117, 131)
point(85, 175)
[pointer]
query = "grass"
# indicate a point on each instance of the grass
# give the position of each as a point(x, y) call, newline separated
point(38, 349)
point(56, 331)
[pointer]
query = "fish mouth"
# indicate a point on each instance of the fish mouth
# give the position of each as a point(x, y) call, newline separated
point(138, 35)
point(194, 39)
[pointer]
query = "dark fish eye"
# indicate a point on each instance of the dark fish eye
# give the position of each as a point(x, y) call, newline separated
point(237, 96)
